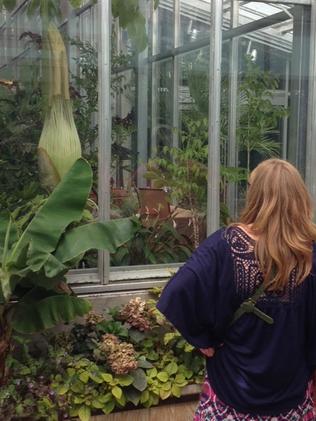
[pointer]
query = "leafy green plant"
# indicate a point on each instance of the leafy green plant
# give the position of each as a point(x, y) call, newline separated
point(156, 243)
point(20, 128)
point(258, 116)
point(132, 19)
point(183, 170)
point(62, 383)
point(37, 252)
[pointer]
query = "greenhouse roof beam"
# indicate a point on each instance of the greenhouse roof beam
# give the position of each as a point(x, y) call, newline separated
point(256, 25)
point(229, 34)
point(291, 2)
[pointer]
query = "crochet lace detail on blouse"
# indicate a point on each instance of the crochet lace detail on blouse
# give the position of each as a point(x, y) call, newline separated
point(247, 273)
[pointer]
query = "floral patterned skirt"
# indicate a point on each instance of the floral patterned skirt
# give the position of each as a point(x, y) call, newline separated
point(211, 408)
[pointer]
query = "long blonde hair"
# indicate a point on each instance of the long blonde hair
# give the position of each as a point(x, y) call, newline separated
point(279, 212)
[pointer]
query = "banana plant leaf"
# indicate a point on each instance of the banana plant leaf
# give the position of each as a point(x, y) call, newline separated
point(107, 235)
point(36, 315)
point(64, 206)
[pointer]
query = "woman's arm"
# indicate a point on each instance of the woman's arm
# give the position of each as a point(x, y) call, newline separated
point(208, 352)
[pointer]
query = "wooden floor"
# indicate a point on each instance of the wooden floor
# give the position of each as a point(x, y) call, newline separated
point(175, 412)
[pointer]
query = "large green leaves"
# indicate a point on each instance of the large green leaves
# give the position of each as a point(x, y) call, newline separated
point(131, 18)
point(99, 235)
point(64, 206)
point(35, 315)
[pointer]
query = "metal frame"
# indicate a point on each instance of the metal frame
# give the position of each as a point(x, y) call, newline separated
point(176, 73)
point(154, 80)
point(232, 110)
point(142, 107)
point(104, 123)
point(296, 147)
point(310, 174)
point(213, 176)
point(298, 2)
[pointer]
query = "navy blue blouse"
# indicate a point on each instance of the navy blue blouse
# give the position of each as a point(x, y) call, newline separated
point(261, 369)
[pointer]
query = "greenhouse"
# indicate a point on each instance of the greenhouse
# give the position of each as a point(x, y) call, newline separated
point(128, 129)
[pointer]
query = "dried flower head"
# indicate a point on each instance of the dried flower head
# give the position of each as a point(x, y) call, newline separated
point(137, 314)
point(93, 318)
point(121, 356)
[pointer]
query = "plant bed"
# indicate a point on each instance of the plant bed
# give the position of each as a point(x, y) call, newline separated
point(128, 357)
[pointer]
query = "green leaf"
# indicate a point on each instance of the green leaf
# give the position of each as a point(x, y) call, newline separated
point(84, 377)
point(152, 373)
point(137, 32)
point(105, 398)
point(144, 397)
point(163, 376)
point(171, 368)
point(166, 386)
point(30, 317)
point(176, 391)
point(96, 377)
point(98, 235)
point(117, 392)
point(52, 266)
point(77, 387)
point(169, 337)
point(180, 380)
point(143, 363)
point(125, 380)
point(108, 407)
point(140, 380)
point(63, 389)
point(97, 404)
point(164, 394)
point(136, 336)
point(107, 377)
point(64, 206)
point(121, 401)
point(132, 395)
point(84, 413)
point(188, 348)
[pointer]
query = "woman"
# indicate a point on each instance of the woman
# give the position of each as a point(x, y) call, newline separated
point(259, 366)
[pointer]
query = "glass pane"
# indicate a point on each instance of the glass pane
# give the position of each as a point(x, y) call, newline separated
point(194, 20)
point(159, 170)
point(268, 84)
point(48, 104)
point(163, 27)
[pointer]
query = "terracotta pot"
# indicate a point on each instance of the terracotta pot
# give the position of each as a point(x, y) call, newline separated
point(118, 196)
point(153, 204)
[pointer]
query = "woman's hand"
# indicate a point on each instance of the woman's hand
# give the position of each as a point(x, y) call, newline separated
point(208, 352)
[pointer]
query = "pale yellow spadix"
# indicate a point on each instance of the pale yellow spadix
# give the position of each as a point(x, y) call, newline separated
point(59, 146)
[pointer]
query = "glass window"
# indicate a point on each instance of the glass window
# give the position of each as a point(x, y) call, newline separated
point(266, 82)
point(30, 98)
point(162, 128)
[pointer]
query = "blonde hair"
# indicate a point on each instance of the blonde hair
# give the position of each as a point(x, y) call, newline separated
point(279, 211)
